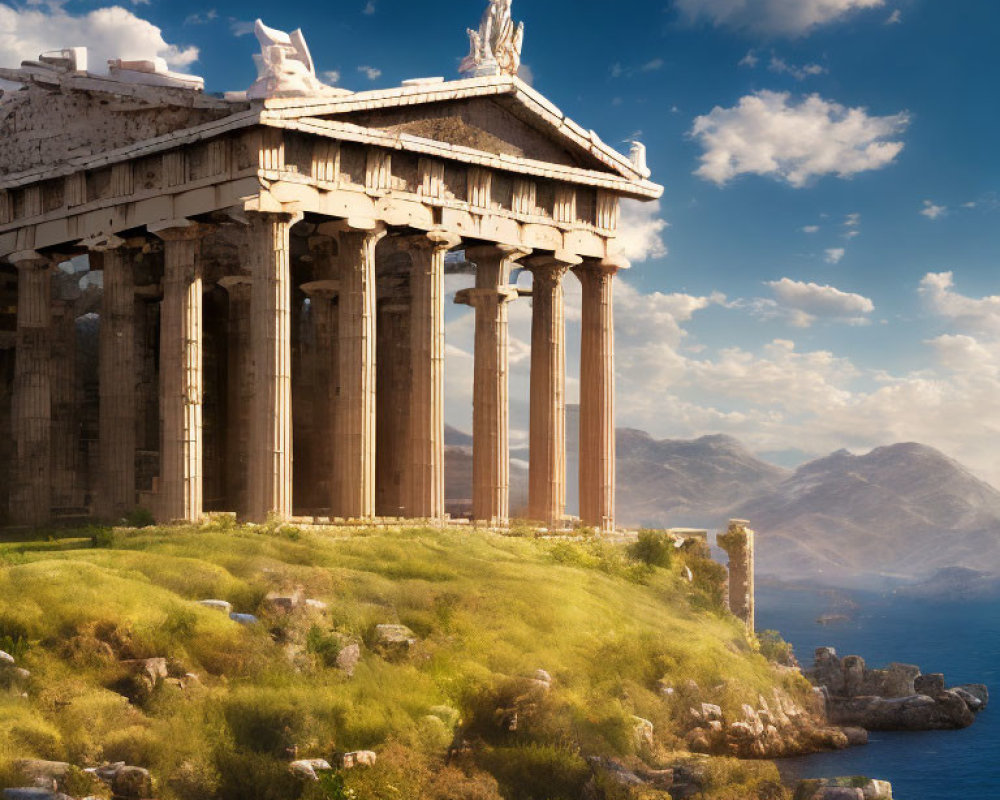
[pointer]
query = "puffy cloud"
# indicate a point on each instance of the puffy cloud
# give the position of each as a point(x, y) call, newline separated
point(787, 17)
point(372, 73)
point(834, 255)
point(800, 73)
point(769, 134)
point(932, 211)
point(967, 314)
point(640, 231)
point(804, 303)
point(112, 32)
point(811, 229)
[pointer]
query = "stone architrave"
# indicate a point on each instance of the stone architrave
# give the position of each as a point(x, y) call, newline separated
point(181, 374)
point(547, 438)
point(240, 391)
point(597, 395)
point(490, 393)
point(270, 452)
point(31, 487)
point(354, 439)
point(425, 478)
point(117, 369)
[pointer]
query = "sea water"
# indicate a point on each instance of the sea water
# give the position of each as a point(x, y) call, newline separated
point(960, 639)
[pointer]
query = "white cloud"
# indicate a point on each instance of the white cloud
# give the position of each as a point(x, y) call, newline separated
point(932, 211)
point(640, 231)
point(834, 255)
point(331, 76)
point(800, 73)
point(802, 304)
point(201, 17)
point(769, 134)
point(750, 60)
point(369, 8)
point(788, 17)
point(895, 18)
point(109, 33)
point(811, 229)
point(968, 314)
point(652, 66)
point(240, 27)
point(372, 73)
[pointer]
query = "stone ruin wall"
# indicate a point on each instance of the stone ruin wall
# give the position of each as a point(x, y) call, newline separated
point(41, 128)
point(738, 542)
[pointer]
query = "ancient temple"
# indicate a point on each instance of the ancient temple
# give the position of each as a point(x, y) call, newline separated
point(265, 274)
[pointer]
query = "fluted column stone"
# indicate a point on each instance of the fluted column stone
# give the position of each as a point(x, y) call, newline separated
point(270, 453)
point(118, 376)
point(597, 396)
point(181, 375)
point(31, 488)
point(354, 439)
point(491, 402)
point(547, 437)
point(425, 471)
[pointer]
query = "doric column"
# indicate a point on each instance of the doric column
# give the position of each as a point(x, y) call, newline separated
point(738, 542)
point(547, 468)
point(270, 483)
point(490, 401)
point(425, 471)
point(597, 396)
point(239, 387)
point(31, 489)
point(67, 492)
point(118, 375)
point(181, 378)
point(354, 440)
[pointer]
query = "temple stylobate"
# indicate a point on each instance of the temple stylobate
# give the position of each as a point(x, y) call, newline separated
point(265, 271)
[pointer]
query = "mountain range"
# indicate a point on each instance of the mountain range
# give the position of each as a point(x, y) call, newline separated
point(900, 512)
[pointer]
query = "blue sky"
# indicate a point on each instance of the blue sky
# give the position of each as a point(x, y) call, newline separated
point(793, 292)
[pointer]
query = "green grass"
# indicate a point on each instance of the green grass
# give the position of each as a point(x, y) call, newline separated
point(489, 610)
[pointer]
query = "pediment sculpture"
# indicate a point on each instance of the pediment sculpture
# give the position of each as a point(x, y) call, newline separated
point(285, 66)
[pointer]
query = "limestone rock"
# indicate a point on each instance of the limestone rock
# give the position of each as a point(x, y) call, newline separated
point(931, 685)
point(348, 658)
point(918, 712)
point(394, 642)
point(643, 732)
point(217, 605)
point(132, 783)
point(360, 758)
point(6, 660)
point(33, 793)
point(977, 690)
point(282, 603)
point(843, 789)
point(307, 769)
point(44, 774)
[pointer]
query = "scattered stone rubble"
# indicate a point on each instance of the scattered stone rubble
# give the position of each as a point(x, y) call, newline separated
point(49, 779)
point(897, 698)
point(12, 677)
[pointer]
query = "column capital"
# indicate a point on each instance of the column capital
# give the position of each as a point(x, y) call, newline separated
point(180, 230)
point(326, 290)
point(352, 225)
point(230, 282)
point(290, 217)
point(472, 297)
point(438, 239)
point(32, 260)
point(508, 252)
point(609, 265)
point(560, 259)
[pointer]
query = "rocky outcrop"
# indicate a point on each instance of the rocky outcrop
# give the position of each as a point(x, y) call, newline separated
point(394, 642)
point(897, 698)
point(775, 728)
point(844, 789)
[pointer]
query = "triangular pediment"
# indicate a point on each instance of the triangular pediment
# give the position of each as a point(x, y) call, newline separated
point(491, 125)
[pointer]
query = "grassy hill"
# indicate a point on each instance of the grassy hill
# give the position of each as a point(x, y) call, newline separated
point(457, 715)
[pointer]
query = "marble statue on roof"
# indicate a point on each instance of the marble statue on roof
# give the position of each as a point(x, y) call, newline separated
point(495, 48)
point(285, 66)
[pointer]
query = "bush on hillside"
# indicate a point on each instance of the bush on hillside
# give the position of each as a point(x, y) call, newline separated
point(654, 549)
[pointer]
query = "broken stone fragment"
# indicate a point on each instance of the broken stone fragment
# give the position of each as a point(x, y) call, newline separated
point(6, 660)
point(43, 774)
point(307, 769)
point(283, 603)
point(643, 733)
point(361, 758)
point(393, 642)
point(132, 783)
point(244, 619)
point(217, 605)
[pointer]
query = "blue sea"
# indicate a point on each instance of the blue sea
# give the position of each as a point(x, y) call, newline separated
point(962, 640)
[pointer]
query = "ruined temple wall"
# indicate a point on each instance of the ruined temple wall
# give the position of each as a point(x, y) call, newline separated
point(738, 542)
point(44, 128)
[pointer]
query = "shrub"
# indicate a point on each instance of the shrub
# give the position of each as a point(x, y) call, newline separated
point(653, 549)
point(537, 771)
point(139, 518)
point(103, 538)
point(776, 649)
point(325, 646)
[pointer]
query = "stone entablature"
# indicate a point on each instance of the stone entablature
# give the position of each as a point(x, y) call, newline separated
point(330, 167)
